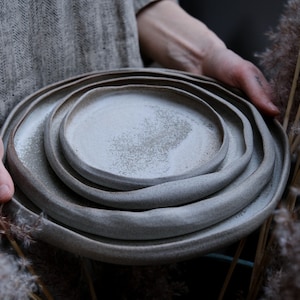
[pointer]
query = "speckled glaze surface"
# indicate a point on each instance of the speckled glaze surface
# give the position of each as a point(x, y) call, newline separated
point(144, 166)
point(135, 136)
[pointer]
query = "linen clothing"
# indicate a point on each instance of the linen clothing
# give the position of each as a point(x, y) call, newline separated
point(46, 41)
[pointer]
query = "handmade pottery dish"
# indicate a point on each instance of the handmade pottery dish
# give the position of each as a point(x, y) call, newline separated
point(110, 136)
point(142, 166)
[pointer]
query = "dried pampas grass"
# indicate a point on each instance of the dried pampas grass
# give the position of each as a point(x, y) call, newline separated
point(276, 271)
point(15, 281)
point(277, 268)
point(279, 62)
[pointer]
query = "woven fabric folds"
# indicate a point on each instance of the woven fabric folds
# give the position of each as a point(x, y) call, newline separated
point(44, 42)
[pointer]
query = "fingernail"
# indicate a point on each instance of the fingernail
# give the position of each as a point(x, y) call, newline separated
point(274, 108)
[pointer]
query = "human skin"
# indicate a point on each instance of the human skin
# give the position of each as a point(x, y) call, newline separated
point(6, 183)
point(174, 39)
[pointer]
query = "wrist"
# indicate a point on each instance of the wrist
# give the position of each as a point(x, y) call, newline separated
point(174, 39)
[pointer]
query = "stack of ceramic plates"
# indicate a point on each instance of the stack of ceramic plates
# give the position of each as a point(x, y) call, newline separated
point(141, 166)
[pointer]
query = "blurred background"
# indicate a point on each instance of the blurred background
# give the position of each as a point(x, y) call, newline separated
point(242, 25)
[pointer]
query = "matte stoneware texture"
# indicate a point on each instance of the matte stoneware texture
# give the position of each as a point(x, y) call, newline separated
point(144, 166)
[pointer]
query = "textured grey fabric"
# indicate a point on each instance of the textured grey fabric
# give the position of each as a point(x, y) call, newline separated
point(46, 41)
point(139, 4)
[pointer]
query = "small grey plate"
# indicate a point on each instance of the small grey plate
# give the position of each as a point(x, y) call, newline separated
point(130, 137)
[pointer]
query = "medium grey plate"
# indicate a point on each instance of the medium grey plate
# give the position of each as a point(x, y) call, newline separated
point(234, 163)
point(227, 211)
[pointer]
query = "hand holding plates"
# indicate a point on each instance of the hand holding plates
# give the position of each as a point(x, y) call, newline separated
point(141, 166)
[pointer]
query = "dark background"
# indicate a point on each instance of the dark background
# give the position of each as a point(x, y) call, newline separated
point(242, 25)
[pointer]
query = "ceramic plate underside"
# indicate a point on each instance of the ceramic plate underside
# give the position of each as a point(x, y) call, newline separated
point(136, 243)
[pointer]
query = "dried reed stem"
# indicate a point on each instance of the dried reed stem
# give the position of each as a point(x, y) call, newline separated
point(294, 186)
point(34, 296)
point(88, 279)
point(292, 93)
point(295, 177)
point(20, 253)
point(260, 265)
point(296, 143)
point(261, 245)
point(292, 198)
point(232, 267)
point(295, 125)
point(282, 68)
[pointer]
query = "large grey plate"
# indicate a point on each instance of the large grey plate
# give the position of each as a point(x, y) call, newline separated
point(168, 221)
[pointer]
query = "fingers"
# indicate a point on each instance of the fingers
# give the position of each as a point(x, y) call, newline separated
point(248, 78)
point(258, 90)
point(231, 69)
point(184, 43)
point(6, 183)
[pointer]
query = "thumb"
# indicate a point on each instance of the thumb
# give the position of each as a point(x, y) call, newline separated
point(6, 183)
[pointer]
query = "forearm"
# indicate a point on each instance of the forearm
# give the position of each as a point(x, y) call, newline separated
point(174, 39)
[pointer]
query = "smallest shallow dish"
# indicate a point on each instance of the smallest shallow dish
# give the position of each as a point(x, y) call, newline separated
point(131, 137)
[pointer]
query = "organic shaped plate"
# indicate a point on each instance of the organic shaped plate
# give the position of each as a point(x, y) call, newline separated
point(168, 221)
point(132, 137)
point(164, 195)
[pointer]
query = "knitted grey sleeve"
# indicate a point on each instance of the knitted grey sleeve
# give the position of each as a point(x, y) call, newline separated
point(139, 4)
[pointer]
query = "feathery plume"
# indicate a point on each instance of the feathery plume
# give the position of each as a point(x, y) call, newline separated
point(284, 281)
point(15, 282)
point(280, 59)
